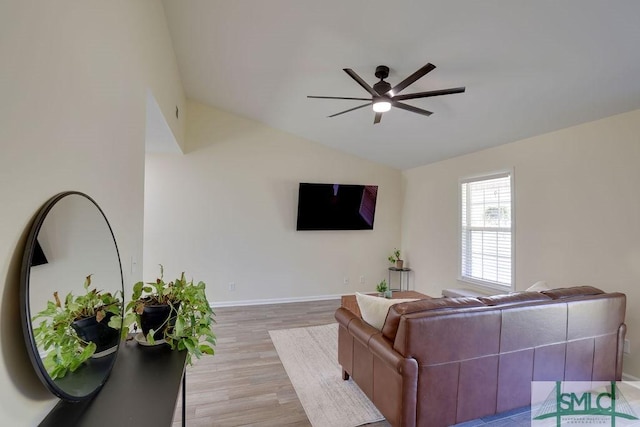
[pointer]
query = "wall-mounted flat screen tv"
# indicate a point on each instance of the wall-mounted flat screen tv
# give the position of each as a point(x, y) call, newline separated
point(336, 206)
point(39, 257)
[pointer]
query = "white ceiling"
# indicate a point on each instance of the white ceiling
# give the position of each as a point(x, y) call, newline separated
point(530, 67)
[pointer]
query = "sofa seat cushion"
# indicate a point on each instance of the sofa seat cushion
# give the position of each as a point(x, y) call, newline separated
point(374, 309)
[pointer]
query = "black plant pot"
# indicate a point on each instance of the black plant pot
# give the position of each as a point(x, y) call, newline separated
point(158, 318)
point(100, 333)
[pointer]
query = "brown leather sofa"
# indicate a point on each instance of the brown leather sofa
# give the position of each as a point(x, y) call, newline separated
point(439, 362)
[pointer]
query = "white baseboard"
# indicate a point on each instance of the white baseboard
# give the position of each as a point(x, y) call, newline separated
point(627, 377)
point(241, 303)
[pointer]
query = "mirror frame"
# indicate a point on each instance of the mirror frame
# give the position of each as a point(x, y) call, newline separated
point(25, 309)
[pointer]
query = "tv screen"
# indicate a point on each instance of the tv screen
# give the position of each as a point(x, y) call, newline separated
point(336, 206)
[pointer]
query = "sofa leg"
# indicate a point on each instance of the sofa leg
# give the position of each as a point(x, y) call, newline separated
point(345, 375)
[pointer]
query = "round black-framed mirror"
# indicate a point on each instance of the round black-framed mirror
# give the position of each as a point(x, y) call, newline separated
point(71, 296)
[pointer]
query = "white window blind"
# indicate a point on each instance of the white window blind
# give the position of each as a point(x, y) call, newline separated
point(487, 235)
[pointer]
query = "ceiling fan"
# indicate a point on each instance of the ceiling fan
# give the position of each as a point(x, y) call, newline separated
point(383, 96)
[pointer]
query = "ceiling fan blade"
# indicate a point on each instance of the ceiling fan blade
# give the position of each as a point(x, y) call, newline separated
point(412, 78)
point(350, 109)
point(377, 118)
point(412, 108)
point(338, 97)
point(361, 82)
point(430, 93)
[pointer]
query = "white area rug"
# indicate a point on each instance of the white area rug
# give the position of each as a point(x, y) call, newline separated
point(310, 357)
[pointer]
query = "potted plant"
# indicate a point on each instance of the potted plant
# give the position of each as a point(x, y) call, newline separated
point(153, 307)
point(394, 258)
point(82, 327)
point(177, 312)
point(382, 288)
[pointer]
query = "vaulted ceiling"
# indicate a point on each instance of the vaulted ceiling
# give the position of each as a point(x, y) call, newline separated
point(529, 67)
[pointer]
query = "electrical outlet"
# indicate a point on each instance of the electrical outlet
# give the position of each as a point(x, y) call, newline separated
point(134, 265)
point(232, 286)
point(362, 280)
point(345, 280)
point(627, 347)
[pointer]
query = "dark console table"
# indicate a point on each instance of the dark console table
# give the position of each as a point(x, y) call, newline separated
point(142, 390)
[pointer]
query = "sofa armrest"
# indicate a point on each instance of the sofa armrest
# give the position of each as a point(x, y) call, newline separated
point(395, 384)
point(370, 337)
point(344, 316)
point(622, 332)
point(383, 348)
point(358, 328)
point(387, 378)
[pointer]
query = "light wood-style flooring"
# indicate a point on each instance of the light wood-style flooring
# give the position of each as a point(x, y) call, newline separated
point(245, 383)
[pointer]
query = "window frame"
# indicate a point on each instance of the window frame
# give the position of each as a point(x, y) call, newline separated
point(487, 284)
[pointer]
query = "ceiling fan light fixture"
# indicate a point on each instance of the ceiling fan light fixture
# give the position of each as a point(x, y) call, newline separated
point(381, 106)
point(383, 96)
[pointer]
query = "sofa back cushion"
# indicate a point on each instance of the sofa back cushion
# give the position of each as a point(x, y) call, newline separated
point(390, 327)
point(514, 298)
point(440, 336)
point(575, 291)
point(374, 309)
point(439, 331)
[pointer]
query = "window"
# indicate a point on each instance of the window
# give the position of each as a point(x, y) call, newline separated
point(486, 246)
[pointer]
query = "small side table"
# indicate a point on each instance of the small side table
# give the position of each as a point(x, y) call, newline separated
point(404, 274)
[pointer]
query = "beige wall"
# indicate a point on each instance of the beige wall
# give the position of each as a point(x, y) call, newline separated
point(226, 212)
point(577, 212)
point(73, 85)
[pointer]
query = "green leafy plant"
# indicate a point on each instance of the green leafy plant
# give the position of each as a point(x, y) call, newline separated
point(382, 286)
point(65, 350)
point(189, 324)
point(395, 256)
